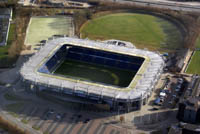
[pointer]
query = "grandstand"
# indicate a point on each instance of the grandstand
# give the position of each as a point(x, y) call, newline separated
point(5, 16)
point(41, 73)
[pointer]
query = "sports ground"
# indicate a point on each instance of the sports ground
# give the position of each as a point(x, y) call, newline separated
point(42, 28)
point(144, 31)
point(95, 73)
point(194, 65)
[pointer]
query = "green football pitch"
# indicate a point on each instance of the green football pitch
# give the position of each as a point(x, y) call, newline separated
point(95, 73)
point(194, 65)
point(144, 31)
point(42, 28)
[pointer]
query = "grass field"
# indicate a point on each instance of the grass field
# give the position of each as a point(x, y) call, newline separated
point(11, 37)
point(194, 65)
point(145, 31)
point(198, 43)
point(95, 73)
point(41, 28)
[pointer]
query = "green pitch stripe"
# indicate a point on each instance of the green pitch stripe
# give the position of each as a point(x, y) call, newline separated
point(114, 76)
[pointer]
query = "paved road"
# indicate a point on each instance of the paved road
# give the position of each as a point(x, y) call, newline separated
point(10, 118)
point(178, 6)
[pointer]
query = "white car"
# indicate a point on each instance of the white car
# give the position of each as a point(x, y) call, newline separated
point(162, 94)
point(178, 86)
point(58, 116)
point(174, 95)
point(177, 89)
point(170, 102)
point(51, 111)
point(180, 80)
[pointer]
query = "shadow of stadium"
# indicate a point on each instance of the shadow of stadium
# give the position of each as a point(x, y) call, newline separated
point(155, 120)
point(75, 112)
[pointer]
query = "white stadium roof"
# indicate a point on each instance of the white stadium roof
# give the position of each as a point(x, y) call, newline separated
point(141, 85)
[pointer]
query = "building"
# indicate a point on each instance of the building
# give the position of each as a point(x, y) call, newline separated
point(189, 110)
point(37, 73)
point(184, 128)
point(5, 18)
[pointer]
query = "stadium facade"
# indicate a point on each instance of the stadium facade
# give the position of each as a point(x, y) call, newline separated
point(37, 73)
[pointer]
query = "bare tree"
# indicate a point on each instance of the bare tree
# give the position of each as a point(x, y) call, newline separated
point(122, 119)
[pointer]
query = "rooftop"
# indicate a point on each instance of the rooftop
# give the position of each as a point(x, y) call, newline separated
point(142, 84)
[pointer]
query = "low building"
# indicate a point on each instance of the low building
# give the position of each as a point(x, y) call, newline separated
point(185, 128)
point(189, 110)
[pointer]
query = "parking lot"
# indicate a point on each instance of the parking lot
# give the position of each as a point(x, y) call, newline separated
point(168, 96)
point(163, 102)
point(50, 120)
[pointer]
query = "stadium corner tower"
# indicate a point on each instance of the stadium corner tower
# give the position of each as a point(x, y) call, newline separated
point(91, 72)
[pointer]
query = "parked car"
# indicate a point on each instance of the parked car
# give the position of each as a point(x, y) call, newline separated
point(87, 120)
point(177, 89)
point(157, 101)
point(162, 99)
point(167, 91)
point(154, 109)
point(178, 86)
point(174, 95)
point(170, 102)
point(58, 116)
point(180, 80)
point(162, 94)
point(51, 111)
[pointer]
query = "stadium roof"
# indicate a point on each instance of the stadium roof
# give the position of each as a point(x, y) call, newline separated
point(141, 85)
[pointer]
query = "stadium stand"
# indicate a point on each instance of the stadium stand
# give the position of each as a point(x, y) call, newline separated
point(5, 16)
point(37, 72)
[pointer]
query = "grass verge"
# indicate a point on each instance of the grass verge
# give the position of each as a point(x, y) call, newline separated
point(24, 121)
point(36, 127)
point(14, 108)
point(10, 127)
point(194, 64)
point(5, 60)
point(12, 97)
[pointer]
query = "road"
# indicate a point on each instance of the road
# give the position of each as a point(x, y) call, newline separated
point(178, 6)
point(5, 115)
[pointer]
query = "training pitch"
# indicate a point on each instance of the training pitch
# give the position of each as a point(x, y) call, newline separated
point(145, 31)
point(41, 28)
point(95, 73)
point(194, 64)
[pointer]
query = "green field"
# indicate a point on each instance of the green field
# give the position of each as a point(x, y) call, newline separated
point(11, 37)
point(95, 73)
point(194, 65)
point(198, 43)
point(41, 28)
point(145, 31)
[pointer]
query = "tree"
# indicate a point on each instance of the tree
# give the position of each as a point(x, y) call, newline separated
point(121, 119)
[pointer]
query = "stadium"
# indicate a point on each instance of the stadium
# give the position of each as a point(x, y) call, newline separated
point(93, 72)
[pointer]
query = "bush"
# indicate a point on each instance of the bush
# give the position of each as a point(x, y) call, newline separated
point(11, 128)
point(24, 121)
point(36, 127)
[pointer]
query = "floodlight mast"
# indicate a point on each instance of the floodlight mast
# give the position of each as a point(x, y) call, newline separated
point(68, 47)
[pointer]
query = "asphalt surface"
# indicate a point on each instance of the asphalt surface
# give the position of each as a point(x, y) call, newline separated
point(178, 6)
point(12, 119)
